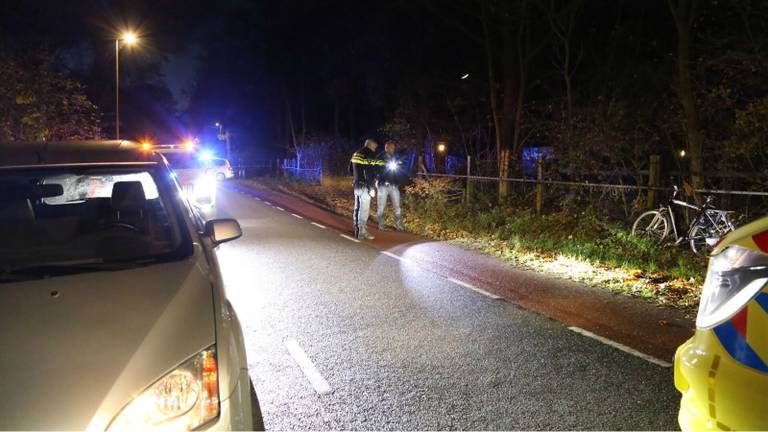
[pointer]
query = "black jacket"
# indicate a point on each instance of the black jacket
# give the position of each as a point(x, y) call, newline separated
point(364, 166)
point(392, 170)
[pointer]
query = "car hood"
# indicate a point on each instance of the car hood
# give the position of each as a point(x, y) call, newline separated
point(76, 349)
point(752, 236)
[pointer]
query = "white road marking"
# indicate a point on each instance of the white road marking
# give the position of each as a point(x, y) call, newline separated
point(350, 238)
point(397, 257)
point(280, 208)
point(621, 347)
point(267, 203)
point(474, 288)
point(297, 216)
point(256, 198)
point(318, 225)
point(310, 371)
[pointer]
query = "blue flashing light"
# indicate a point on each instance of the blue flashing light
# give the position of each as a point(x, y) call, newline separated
point(206, 155)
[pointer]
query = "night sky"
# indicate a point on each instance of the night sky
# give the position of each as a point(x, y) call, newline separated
point(344, 68)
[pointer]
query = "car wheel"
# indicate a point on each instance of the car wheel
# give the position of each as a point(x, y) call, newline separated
point(258, 421)
point(220, 176)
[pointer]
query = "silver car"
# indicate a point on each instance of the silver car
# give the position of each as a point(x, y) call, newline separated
point(112, 308)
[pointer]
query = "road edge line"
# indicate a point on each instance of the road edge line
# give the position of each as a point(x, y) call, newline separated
point(474, 288)
point(349, 238)
point(621, 347)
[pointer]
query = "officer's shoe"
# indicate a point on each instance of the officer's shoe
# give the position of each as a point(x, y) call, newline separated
point(383, 228)
point(400, 227)
point(364, 235)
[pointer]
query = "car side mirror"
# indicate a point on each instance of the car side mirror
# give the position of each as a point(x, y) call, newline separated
point(222, 230)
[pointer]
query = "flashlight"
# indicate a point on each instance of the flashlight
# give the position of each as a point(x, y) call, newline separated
point(392, 165)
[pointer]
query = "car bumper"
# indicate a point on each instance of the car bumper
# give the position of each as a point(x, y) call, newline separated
point(235, 412)
point(718, 393)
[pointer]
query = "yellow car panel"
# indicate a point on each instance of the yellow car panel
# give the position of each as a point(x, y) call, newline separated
point(722, 371)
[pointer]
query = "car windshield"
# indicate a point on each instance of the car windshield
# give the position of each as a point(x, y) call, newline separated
point(75, 219)
point(183, 160)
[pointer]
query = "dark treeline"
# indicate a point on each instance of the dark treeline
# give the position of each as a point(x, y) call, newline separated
point(601, 84)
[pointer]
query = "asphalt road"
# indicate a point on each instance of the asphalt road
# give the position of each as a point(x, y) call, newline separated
point(342, 336)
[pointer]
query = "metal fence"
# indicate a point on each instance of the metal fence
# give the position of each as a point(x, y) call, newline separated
point(619, 201)
point(309, 175)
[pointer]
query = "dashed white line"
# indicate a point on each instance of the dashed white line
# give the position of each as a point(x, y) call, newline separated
point(621, 347)
point(350, 238)
point(256, 198)
point(318, 225)
point(301, 358)
point(267, 203)
point(280, 208)
point(297, 216)
point(397, 257)
point(474, 288)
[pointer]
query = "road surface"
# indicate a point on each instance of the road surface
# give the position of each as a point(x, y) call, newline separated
point(341, 335)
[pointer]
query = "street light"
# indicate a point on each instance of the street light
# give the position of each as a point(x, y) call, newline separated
point(441, 148)
point(129, 38)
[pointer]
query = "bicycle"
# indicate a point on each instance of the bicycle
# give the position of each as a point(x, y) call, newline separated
point(704, 231)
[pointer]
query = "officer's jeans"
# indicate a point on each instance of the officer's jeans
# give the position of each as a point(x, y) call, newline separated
point(362, 209)
point(388, 190)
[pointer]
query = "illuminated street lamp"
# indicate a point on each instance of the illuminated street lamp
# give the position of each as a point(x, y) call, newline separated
point(129, 38)
point(441, 148)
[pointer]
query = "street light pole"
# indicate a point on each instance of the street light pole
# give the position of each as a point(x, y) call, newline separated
point(224, 136)
point(117, 89)
point(129, 38)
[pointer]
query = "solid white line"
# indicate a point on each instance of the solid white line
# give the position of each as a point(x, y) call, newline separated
point(280, 208)
point(318, 225)
point(621, 347)
point(297, 216)
point(350, 238)
point(474, 288)
point(310, 371)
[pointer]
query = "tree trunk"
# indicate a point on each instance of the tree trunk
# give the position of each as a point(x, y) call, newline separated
point(292, 128)
point(336, 115)
point(684, 13)
point(492, 94)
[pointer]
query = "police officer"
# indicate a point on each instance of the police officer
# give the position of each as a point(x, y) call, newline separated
point(364, 165)
point(388, 186)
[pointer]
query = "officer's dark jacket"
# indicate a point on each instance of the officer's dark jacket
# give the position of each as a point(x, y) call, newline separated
point(365, 166)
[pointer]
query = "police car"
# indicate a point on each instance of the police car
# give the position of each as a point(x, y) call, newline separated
point(192, 171)
point(722, 372)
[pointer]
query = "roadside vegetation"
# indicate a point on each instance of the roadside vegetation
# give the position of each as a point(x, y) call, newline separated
point(577, 245)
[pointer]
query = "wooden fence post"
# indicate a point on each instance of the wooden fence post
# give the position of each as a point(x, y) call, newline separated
point(468, 195)
point(539, 186)
point(653, 179)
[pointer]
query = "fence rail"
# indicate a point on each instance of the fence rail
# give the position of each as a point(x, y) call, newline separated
point(589, 184)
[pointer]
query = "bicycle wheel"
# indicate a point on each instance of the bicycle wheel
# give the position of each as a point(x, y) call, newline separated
point(699, 236)
point(651, 224)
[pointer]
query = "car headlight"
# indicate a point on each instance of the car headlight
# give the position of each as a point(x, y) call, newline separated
point(184, 399)
point(734, 277)
point(205, 186)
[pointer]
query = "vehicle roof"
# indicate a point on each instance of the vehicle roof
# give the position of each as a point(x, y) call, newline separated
point(16, 154)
